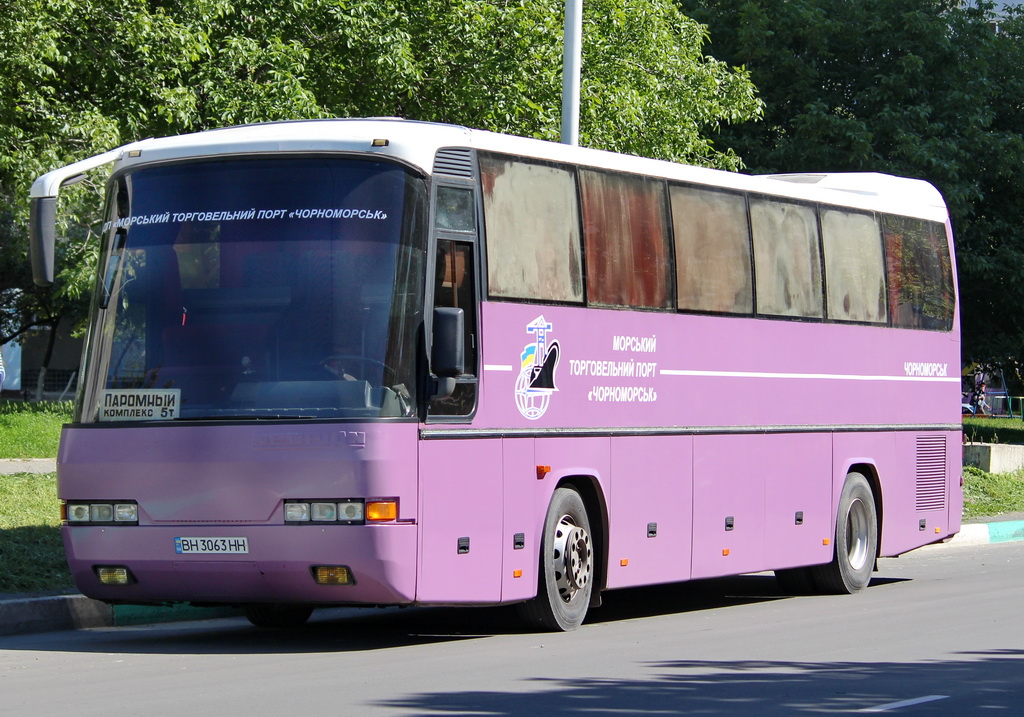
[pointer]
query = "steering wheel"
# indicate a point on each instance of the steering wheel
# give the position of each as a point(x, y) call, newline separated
point(338, 364)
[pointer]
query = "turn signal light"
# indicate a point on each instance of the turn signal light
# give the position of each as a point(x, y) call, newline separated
point(379, 510)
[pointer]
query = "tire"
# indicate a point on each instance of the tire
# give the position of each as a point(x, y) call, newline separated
point(566, 579)
point(273, 615)
point(856, 541)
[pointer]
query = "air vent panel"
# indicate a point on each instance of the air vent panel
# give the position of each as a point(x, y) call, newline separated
point(454, 162)
point(931, 473)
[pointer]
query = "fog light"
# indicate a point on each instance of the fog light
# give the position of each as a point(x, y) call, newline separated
point(333, 575)
point(113, 575)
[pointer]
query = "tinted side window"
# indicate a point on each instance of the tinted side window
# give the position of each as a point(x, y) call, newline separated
point(787, 262)
point(627, 250)
point(533, 238)
point(920, 273)
point(854, 268)
point(712, 240)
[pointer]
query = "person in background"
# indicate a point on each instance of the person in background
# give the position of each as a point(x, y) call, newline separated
point(981, 407)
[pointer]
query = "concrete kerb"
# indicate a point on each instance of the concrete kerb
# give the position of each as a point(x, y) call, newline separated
point(50, 613)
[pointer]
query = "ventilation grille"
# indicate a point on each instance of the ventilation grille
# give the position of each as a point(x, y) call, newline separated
point(454, 163)
point(931, 472)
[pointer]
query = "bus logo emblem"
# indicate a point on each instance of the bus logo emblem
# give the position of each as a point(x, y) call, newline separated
point(538, 363)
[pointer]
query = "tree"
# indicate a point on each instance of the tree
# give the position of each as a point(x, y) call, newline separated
point(78, 77)
point(921, 88)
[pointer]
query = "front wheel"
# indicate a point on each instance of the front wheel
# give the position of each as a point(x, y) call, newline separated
point(566, 566)
point(856, 541)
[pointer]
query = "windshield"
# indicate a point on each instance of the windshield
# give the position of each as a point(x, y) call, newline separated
point(253, 288)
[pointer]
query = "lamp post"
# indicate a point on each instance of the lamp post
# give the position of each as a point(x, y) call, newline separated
point(571, 66)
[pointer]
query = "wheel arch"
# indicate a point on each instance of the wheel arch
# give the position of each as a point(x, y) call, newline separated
point(596, 504)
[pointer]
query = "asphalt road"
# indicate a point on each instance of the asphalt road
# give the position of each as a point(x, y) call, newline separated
point(939, 632)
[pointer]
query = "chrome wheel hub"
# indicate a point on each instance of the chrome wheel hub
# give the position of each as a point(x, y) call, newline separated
point(573, 558)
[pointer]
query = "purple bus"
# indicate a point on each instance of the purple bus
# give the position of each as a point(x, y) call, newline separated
point(384, 362)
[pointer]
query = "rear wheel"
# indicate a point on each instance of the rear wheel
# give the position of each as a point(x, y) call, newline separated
point(856, 541)
point(566, 566)
point(272, 615)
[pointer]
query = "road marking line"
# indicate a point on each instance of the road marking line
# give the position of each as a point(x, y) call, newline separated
point(904, 703)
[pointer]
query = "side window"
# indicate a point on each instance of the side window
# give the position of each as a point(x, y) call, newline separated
point(533, 238)
point(453, 286)
point(628, 257)
point(854, 267)
point(712, 240)
point(920, 273)
point(787, 261)
point(455, 210)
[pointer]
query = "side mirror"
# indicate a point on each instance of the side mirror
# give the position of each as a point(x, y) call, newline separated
point(42, 222)
point(448, 347)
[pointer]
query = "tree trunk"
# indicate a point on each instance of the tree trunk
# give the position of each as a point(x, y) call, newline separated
point(41, 381)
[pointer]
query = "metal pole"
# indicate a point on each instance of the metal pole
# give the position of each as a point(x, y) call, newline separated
point(571, 67)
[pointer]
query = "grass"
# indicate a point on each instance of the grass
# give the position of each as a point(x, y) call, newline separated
point(994, 430)
point(992, 493)
point(32, 430)
point(31, 552)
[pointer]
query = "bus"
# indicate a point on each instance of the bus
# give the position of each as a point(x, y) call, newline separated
point(387, 362)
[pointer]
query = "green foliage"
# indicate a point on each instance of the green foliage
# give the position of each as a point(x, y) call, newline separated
point(994, 430)
point(78, 77)
point(31, 552)
point(32, 430)
point(992, 493)
point(920, 88)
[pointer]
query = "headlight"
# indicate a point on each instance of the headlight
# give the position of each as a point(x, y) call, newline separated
point(323, 512)
point(296, 512)
point(348, 511)
point(101, 512)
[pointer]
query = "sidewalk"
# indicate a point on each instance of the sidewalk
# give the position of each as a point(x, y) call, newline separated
point(9, 466)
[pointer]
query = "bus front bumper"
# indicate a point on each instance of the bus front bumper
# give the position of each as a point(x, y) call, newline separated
point(167, 564)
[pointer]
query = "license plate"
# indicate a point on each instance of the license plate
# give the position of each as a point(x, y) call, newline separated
point(211, 545)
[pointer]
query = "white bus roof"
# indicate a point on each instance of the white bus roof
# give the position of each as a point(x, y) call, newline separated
point(417, 142)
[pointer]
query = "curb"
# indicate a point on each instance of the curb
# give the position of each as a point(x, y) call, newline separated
point(21, 616)
point(985, 533)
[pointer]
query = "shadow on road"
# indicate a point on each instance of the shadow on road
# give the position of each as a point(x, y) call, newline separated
point(360, 629)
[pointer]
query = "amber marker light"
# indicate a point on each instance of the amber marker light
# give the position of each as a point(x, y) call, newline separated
point(380, 143)
point(380, 510)
point(517, 573)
